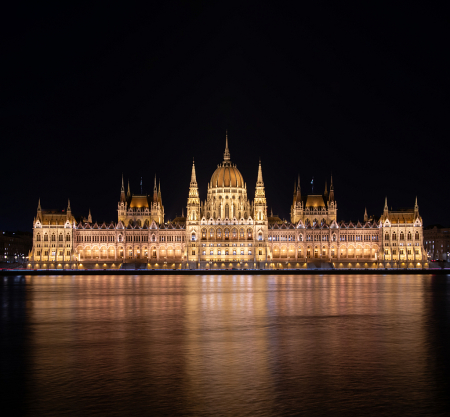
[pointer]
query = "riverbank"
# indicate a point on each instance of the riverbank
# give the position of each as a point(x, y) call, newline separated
point(225, 272)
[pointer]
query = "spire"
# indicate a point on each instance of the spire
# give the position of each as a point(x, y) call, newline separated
point(129, 192)
point(326, 190)
point(122, 192)
point(299, 192)
point(366, 217)
point(39, 205)
point(89, 217)
point(68, 205)
point(193, 176)
point(226, 154)
point(155, 192)
point(159, 191)
point(260, 182)
point(416, 208)
point(386, 208)
point(182, 212)
point(141, 185)
point(331, 196)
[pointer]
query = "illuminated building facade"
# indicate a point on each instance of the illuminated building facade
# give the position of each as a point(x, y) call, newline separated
point(228, 231)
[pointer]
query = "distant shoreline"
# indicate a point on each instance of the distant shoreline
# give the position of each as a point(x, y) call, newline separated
point(229, 272)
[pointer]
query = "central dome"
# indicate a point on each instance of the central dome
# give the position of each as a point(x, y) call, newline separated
point(226, 174)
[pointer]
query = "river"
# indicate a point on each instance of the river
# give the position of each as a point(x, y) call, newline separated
point(204, 345)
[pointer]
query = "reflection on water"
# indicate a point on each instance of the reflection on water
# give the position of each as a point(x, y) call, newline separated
point(225, 345)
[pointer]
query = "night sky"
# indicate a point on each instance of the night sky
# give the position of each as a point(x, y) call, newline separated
point(89, 94)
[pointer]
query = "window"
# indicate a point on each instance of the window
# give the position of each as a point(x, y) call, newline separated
point(204, 252)
point(249, 252)
point(226, 252)
point(242, 252)
point(68, 253)
point(38, 237)
point(394, 236)
point(193, 237)
point(409, 236)
point(203, 233)
point(416, 236)
point(193, 252)
point(219, 252)
point(402, 236)
point(234, 252)
point(211, 252)
point(53, 238)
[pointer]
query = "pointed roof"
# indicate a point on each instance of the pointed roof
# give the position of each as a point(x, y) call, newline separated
point(39, 205)
point(68, 205)
point(260, 182)
point(193, 176)
point(386, 208)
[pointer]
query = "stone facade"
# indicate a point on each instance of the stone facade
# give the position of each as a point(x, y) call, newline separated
point(227, 230)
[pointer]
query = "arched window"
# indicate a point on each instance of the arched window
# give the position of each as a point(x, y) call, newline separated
point(241, 234)
point(300, 238)
point(60, 238)
point(402, 236)
point(227, 234)
point(260, 237)
point(153, 238)
point(249, 233)
point(67, 238)
point(409, 236)
point(219, 233)
point(211, 233)
point(416, 236)
point(227, 211)
point(386, 236)
point(234, 233)
point(334, 237)
point(394, 236)
point(193, 236)
point(38, 237)
point(53, 238)
point(120, 238)
point(203, 233)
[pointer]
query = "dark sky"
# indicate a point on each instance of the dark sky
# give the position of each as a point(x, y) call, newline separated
point(89, 94)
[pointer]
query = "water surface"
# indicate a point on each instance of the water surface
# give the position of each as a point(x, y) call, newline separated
point(225, 345)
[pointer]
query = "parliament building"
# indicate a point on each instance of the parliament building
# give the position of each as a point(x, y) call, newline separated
point(227, 231)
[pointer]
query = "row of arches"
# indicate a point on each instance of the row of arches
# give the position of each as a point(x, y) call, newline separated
point(402, 236)
point(227, 233)
point(52, 237)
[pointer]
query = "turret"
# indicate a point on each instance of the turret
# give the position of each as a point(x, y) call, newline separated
point(416, 209)
point(386, 208)
point(129, 190)
point(366, 217)
point(89, 219)
point(68, 211)
point(325, 193)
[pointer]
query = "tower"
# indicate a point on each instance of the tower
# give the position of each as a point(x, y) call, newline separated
point(193, 219)
point(193, 204)
point(260, 205)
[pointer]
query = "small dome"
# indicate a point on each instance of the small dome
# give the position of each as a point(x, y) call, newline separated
point(227, 175)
